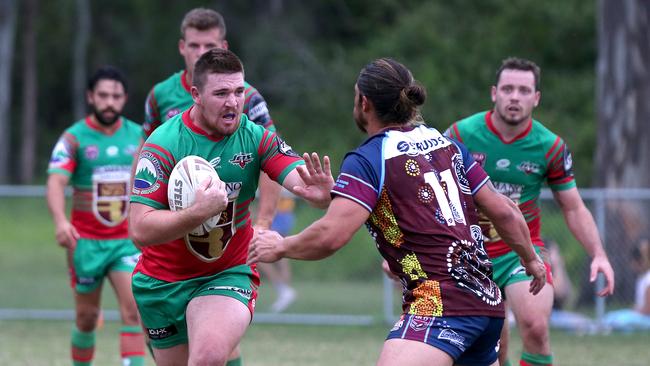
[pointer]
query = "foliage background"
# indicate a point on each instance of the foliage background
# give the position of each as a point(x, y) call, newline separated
point(304, 58)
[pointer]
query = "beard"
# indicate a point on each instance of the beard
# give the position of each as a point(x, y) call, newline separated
point(103, 119)
point(361, 122)
point(512, 121)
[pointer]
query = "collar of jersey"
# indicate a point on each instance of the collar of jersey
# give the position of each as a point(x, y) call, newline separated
point(187, 121)
point(490, 125)
point(93, 126)
point(186, 86)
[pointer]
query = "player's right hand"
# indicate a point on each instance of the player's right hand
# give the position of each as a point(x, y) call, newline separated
point(211, 198)
point(67, 235)
point(537, 270)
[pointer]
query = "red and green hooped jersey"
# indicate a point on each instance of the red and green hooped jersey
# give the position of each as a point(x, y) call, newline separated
point(172, 96)
point(238, 159)
point(99, 167)
point(517, 168)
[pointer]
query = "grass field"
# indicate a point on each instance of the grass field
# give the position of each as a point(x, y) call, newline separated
point(33, 276)
point(36, 343)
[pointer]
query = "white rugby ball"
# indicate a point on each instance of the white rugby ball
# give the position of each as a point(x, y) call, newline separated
point(187, 175)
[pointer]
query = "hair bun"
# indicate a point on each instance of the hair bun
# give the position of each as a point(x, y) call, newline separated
point(416, 93)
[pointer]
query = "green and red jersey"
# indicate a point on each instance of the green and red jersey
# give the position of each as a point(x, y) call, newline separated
point(99, 168)
point(518, 168)
point(238, 159)
point(172, 96)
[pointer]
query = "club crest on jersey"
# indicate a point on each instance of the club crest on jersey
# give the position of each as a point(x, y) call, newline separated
point(91, 152)
point(479, 157)
point(528, 167)
point(285, 149)
point(241, 159)
point(61, 153)
point(147, 174)
point(172, 112)
point(110, 195)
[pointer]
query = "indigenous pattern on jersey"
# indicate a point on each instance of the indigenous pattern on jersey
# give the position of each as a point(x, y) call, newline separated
point(238, 159)
point(172, 96)
point(517, 168)
point(418, 187)
point(99, 167)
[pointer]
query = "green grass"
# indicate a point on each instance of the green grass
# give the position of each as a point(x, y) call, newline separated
point(46, 343)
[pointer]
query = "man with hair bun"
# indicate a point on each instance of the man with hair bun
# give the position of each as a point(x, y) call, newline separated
point(417, 192)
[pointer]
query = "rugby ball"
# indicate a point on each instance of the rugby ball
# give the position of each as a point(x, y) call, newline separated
point(187, 175)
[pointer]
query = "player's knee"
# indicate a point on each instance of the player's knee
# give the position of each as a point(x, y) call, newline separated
point(87, 319)
point(536, 329)
point(207, 356)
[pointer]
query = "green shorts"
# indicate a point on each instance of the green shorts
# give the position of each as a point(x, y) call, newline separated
point(507, 269)
point(162, 304)
point(94, 259)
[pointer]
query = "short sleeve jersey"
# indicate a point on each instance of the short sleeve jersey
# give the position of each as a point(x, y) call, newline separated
point(99, 168)
point(517, 168)
point(238, 159)
point(417, 185)
point(172, 96)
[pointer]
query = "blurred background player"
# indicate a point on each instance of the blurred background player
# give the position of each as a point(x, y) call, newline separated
point(201, 30)
point(429, 235)
point(95, 154)
point(196, 294)
point(279, 273)
point(520, 154)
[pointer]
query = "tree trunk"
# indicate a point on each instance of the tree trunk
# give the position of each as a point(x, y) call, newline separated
point(623, 95)
point(7, 32)
point(79, 72)
point(30, 94)
point(622, 153)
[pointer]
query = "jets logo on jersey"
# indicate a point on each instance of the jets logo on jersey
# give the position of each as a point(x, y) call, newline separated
point(528, 167)
point(241, 159)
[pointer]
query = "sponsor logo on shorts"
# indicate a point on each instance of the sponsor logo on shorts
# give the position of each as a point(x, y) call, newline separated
point(162, 333)
point(86, 280)
point(245, 293)
point(453, 337)
point(419, 323)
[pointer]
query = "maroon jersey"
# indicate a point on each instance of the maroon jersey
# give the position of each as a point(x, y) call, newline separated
point(418, 186)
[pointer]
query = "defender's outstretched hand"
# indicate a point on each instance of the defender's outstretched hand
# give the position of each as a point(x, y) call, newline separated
point(318, 180)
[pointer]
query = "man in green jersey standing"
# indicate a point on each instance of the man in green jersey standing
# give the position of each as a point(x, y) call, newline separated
point(196, 294)
point(520, 154)
point(95, 155)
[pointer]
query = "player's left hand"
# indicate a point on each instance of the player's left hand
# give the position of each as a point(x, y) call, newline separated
point(537, 270)
point(600, 263)
point(318, 180)
point(266, 247)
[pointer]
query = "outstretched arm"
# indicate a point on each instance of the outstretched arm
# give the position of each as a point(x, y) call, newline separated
point(319, 240)
point(582, 226)
point(267, 202)
point(511, 226)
